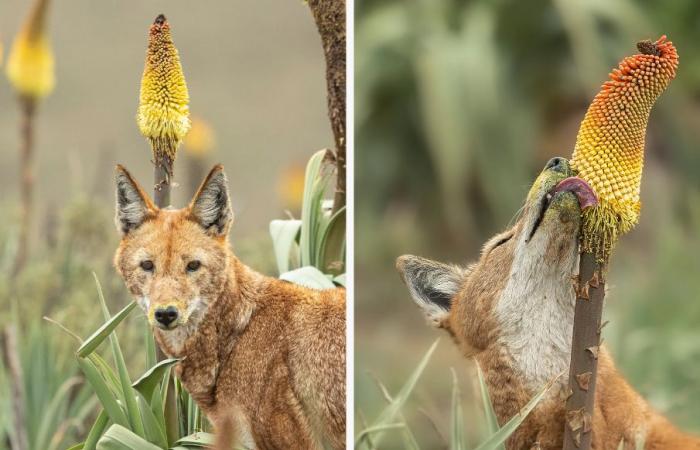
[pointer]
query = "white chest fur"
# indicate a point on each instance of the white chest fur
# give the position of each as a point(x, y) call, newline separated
point(536, 311)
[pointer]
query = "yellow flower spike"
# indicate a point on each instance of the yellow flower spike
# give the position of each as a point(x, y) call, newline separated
point(609, 152)
point(163, 113)
point(200, 140)
point(30, 63)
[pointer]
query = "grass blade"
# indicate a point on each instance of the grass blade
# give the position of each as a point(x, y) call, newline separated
point(132, 410)
point(101, 334)
point(499, 437)
point(96, 431)
point(386, 417)
point(109, 403)
point(457, 441)
point(491, 419)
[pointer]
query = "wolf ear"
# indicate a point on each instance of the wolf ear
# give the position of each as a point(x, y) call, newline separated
point(211, 207)
point(431, 284)
point(133, 205)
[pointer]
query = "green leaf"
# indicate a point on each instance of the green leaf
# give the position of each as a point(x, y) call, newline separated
point(120, 438)
point(284, 234)
point(96, 431)
point(457, 441)
point(200, 439)
point(154, 431)
point(77, 447)
point(104, 331)
point(499, 437)
point(308, 276)
point(340, 279)
point(109, 403)
point(311, 207)
point(386, 417)
point(150, 380)
point(491, 419)
point(129, 395)
point(331, 249)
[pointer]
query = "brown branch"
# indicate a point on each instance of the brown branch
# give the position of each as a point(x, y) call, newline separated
point(28, 107)
point(162, 176)
point(330, 21)
point(10, 354)
point(590, 293)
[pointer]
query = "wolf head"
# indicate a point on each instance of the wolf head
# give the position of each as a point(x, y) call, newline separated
point(174, 262)
point(533, 260)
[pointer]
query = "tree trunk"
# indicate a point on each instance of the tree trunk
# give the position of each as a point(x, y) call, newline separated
point(330, 21)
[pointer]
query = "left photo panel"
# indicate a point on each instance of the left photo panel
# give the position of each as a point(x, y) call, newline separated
point(173, 249)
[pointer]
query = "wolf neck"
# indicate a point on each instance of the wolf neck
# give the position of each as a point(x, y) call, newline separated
point(210, 346)
point(535, 311)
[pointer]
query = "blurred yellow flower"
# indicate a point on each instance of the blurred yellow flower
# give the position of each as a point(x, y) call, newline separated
point(30, 63)
point(163, 113)
point(201, 139)
point(290, 187)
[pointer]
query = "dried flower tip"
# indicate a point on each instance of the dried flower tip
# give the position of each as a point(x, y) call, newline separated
point(609, 152)
point(163, 113)
point(30, 63)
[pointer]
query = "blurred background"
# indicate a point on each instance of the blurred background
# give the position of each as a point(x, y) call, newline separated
point(458, 106)
point(256, 78)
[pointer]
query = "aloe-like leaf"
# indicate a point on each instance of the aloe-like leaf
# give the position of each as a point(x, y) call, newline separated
point(311, 207)
point(387, 416)
point(150, 345)
point(491, 419)
point(150, 380)
point(340, 279)
point(331, 248)
point(153, 430)
point(129, 395)
point(96, 431)
point(104, 331)
point(109, 403)
point(499, 437)
point(308, 276)
point(120, 438)
point(457, 441)
point(284, 234)
point(199, 439)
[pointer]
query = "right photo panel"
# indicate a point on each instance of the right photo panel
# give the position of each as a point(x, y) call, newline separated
point(526, 225)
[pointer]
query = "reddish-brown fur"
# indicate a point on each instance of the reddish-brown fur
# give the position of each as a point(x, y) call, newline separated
point(262, 357)
point(475, 316)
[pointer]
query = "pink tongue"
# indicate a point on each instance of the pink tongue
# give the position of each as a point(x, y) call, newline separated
point(584, 192)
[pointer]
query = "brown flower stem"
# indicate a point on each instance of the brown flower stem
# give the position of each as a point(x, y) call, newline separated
point(330, 21)
point(28, 107)
point(162, 175)
point(590, 294)
point(10, 354)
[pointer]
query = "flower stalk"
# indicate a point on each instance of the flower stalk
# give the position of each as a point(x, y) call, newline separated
point(609, 155)
point(163, 112)
point(30, 70)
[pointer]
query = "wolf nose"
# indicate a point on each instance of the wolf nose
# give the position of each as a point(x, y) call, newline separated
point(166, 316)
point(557, 164)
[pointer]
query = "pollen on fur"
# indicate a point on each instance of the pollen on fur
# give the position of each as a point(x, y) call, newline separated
point(30, 62)
point(609, 151)
point(163, 112)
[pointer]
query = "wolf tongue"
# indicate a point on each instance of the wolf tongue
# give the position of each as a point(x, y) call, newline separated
point(584, 192)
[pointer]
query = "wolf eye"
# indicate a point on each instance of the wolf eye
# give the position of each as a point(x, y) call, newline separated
point(192, 266)
point(147, 265)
